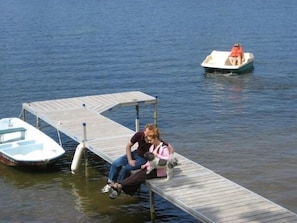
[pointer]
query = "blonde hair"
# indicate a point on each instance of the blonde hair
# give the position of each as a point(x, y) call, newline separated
point(156, 133)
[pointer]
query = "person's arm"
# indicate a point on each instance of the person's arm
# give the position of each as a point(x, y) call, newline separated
point(170, 148)
point(145, 165)
point(129, 155)
point(164, 153)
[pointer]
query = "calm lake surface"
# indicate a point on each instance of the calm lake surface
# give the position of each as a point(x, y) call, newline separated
point(242, 127)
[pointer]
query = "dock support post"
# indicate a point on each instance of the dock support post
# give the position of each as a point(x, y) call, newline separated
point(38, 123)
point(152, 205)
point(137, 118)
point(156, 112)
point(85, 150)
point(24, 115)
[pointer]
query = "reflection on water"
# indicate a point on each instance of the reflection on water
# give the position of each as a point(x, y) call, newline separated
point(40, 190)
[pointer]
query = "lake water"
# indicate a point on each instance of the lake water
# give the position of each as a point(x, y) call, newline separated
point(242, 127)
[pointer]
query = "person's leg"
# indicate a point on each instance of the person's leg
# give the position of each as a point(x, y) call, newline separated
point(238, 60)
point(131, 184)
point(116, 167)
point(126, 169)
point(114, 172)
point(232, 61)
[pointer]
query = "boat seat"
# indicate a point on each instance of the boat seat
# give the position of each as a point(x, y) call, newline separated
point(26, 142)
point(217, 60)
point(6, 146)
point(23, 150)
point(11, 131)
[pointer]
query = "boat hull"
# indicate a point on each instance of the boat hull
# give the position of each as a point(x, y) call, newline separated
point(9, 161)
point(243, 69)
point(21, 144)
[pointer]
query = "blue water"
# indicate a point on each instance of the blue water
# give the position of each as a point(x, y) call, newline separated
point(242, 127)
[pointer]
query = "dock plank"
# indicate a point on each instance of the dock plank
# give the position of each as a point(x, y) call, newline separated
point(195, 189)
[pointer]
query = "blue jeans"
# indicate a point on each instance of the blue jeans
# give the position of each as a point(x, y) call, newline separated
point(120, 168)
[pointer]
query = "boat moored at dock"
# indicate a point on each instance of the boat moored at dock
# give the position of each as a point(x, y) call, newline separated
point(21, 144)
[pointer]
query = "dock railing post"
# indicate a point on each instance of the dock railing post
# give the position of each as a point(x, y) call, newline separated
point(24, 115)
point(137, 118)
point(152, 205)
point(156, 112)
point(85, 150)
point(38, 126)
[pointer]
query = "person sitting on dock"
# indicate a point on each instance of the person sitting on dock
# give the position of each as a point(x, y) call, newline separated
point(131, 184)
point(236, 55)
point(132, 160)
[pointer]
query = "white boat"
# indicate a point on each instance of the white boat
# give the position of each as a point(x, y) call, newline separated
point(21, 144)
point(218, 62)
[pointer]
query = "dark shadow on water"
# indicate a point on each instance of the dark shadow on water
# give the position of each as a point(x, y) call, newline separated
point(227, 75)
point(50, 168)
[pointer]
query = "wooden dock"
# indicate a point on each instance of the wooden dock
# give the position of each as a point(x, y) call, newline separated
point(195, 189)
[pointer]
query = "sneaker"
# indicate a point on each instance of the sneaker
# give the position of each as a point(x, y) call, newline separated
point(106, 188)
point(113, 194)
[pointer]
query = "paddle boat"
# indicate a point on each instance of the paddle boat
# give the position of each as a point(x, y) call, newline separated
point(21, 144)
point(218, 62)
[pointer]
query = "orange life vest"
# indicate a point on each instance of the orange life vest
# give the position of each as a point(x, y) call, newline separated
point(236, 52)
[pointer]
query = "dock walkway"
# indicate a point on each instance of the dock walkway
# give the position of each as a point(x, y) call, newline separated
point(195, 189)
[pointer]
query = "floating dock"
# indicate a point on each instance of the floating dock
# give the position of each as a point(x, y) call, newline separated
point(193, 188)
